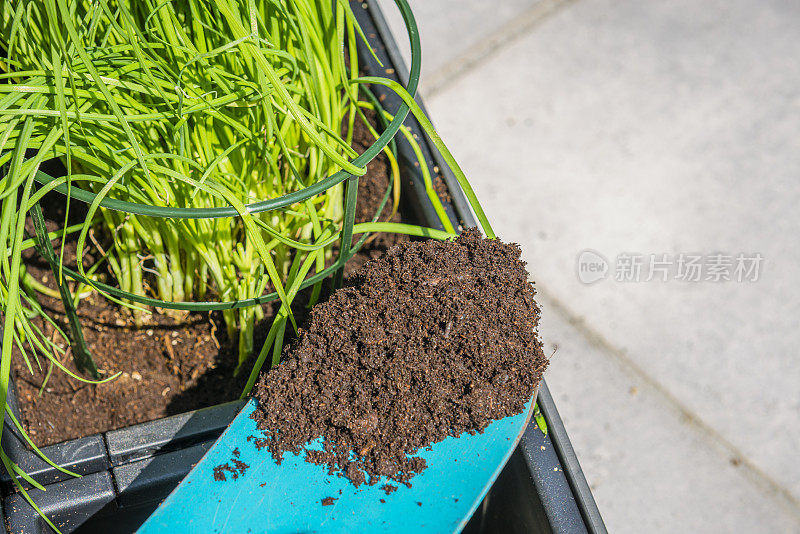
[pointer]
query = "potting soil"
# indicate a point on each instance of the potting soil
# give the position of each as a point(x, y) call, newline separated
point(433, 339)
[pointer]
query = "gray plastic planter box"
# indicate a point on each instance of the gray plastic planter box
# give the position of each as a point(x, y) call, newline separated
point(128, 472)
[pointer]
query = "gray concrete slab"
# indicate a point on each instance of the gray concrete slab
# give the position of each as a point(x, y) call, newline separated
point(459, 32)
point(648, 468)
point(654, 128)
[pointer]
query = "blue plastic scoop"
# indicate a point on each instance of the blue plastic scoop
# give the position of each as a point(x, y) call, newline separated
point(299, 497)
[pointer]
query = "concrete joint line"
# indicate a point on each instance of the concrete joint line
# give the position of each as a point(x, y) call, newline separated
point(481, 52)
point(752, 471)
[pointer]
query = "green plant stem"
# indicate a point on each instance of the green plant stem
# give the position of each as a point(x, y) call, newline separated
point(408, 99)
point(80, 352)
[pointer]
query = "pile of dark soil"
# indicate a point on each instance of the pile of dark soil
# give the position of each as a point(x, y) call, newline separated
point(432, 340)
point(168, 365)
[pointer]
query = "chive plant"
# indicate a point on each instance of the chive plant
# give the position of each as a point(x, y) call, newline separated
point(186, 104)
point(173, 105)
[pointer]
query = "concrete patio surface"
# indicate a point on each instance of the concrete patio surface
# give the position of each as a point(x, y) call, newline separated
point(646, 131)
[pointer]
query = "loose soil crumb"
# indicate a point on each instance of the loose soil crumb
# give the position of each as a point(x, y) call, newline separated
point(388, 489)
point(219, 473)
point(328, 501)
point(238, 468)
point(432, 340)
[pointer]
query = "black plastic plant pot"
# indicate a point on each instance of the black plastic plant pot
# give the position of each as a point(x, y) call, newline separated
point(126, 473)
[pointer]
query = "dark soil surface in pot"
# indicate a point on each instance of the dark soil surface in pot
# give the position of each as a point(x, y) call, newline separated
point(169, 365)
point(432, 340)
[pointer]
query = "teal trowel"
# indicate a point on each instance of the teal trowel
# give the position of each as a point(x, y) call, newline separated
point(257, 495)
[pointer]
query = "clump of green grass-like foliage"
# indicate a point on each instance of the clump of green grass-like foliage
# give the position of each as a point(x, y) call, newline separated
point(158, 105)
